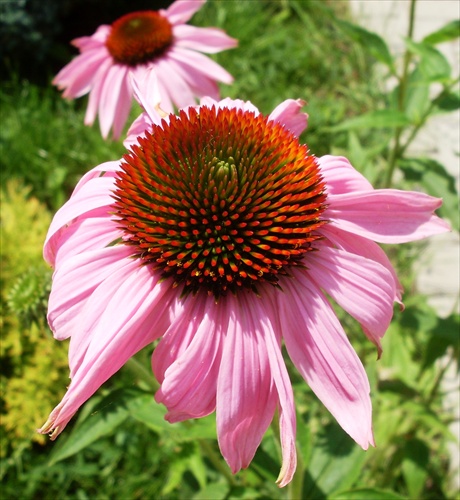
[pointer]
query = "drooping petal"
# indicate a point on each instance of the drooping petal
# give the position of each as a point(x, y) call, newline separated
point(207, 66)
point(386, 215)
point(188, 389)
point(144, 82)
point(83, 235)
point(340, 176)
point(77, 77)
point(74, 282)
point(364, 288)
point(246, 396)
point(320, 350)
point(177, 89)
point(123, 315)
point(364, 247)
point(288, 114)
point(179, 335)
point(95, 94)
point(182, 10)
point(93, 195)
point(210, 40)
point(115, 98)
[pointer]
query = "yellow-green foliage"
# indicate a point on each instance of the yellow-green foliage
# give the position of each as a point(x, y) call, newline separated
point(34, 367)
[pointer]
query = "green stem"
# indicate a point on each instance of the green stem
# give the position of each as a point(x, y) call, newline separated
point(396, 152)
point(141, 373)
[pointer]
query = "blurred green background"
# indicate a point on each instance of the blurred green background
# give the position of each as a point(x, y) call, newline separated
point(119, 447)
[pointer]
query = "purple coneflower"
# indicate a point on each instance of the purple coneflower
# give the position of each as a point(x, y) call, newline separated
point(220, 234)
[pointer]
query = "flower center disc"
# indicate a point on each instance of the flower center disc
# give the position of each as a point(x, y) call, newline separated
point(139, 37)
point(220, 200)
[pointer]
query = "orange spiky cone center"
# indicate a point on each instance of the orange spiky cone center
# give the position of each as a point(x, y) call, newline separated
point(220, 200)
point(139, 37)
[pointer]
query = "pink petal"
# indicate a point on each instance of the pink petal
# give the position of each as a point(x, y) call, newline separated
point(84, 234)
point(178, 336)
point(177, 88)
point(287, 416)
point(364, 247)
point(144, 82)
point(340, 176)
point(288, 114)
point(74, 282)
point(386, 215)
point(95, 93)
point(95, 40)
point(91, 196)
point(207, 66)
point(115, 98)
point(364, 288)
point(77, 77)
point(124, 314)
point(246, 397)
point(182, 10)
point(209, 40)
point(320, 350)
point(189, 386)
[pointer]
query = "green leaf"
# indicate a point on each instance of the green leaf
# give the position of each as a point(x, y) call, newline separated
point(382, 118)
point(335, 463)
point(144, 409)
point(414, 466)
point(367, 494)
point(433, 65)
point(372, 42)
point(417, 99)
point(436, 181)
point(443, 336)
point(103, 420)
point(215, 491)
point(450, 31)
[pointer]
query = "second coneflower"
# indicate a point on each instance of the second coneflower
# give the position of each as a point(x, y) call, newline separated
point(138, 41)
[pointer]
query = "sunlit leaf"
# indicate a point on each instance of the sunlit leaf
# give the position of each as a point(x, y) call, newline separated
point(372, 42)
point(414, 466)
point(449, 32)
point(382, 118)
point(433, 64)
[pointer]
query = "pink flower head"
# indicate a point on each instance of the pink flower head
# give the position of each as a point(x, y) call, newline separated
point(146, 39)
point(220, 235)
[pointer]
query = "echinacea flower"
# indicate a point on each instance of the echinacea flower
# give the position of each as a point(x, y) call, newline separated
point(135, 42)
point(220, 235)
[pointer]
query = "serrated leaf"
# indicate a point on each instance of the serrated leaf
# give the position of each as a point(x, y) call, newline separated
point(103, 420)
point(372, 42)
point(436, 181)
point(382, 118)
point(450, 31)
point(367, 494)
point(433, 65)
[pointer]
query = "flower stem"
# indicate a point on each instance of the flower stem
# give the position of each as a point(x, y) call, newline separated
point(396, 151)
point(209, 452)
